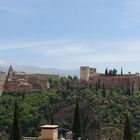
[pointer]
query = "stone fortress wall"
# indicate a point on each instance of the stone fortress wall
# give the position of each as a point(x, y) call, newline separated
point(20, 82)
point(127, 82)
point(2, 81)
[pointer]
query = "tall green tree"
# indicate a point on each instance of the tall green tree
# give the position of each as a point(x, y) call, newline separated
point(76, 123)
point(33, 132)
point(99, 84)
point(127, 129)
point(96, 87)
point(104, 91)
point(52, 119)
point(16, 130)
point(114, 72)
point(121, 71)
point(106, 72)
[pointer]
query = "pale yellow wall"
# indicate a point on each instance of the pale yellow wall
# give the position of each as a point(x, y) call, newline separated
point(92, 72)
point(84, 73)
point(2, 81)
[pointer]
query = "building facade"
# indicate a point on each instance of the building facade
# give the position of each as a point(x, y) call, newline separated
point(21, 82)
point(86, 72)
point(2, 81)
point(128, 82)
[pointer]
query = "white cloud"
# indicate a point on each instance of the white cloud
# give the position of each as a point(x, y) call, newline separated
point(61, 53)
point(28, 44)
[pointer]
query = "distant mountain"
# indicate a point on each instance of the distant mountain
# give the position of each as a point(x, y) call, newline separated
point(35, 69)
point(4, 66)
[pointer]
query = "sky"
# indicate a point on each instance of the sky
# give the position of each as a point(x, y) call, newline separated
point(67, 34)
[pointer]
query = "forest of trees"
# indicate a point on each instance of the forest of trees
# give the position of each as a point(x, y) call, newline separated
point(104, 117)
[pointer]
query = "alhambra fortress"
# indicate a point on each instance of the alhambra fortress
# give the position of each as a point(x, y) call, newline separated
point(127, 82)
point(21, 82)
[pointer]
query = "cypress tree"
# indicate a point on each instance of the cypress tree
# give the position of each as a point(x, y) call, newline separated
point(132, 87)
point(16, 130)
point(127, 129)
point(106, 72)
point(76, 123)
point(121, 71)
point(52, 119)
point(104, 91)
point(99, 86)
point(33, 132)
point(96, 88)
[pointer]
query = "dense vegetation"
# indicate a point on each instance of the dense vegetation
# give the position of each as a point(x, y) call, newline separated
point(103, 118)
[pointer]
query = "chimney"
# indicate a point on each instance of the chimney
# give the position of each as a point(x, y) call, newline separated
point(49, 132)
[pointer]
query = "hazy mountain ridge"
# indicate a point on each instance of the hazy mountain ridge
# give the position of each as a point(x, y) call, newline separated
point(34, 69)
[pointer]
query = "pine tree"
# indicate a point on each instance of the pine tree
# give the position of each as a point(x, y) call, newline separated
point(16, 130)
point(127, 129)
point(76, 123)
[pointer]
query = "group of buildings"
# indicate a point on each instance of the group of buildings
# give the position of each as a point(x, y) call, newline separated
point(128, 82)
point(50, 132)
point(21, 82)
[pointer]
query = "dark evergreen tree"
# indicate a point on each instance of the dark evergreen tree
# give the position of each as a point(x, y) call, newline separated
point(75, 77)
point(106, 72)
point(69, 77)
point(76, 123)
point(128, 92)
point(114, 72)
point(33, 132)
point(127, 129)
point(96, 88)
point(52, 119)
point(110, 72)
point(67, 84)
point(99, 85)
point(132, 87)
point(104, 91)
point(16, 130)
point(121, 71)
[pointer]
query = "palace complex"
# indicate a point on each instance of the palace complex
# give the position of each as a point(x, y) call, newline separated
point(21, 82)
point(128, 82)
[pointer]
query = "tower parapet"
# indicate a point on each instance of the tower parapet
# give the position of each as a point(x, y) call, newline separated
point(10, 72)
point(86, 72)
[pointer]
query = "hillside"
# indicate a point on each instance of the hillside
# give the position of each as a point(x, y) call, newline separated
point(102, 115)
point(90, 126)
